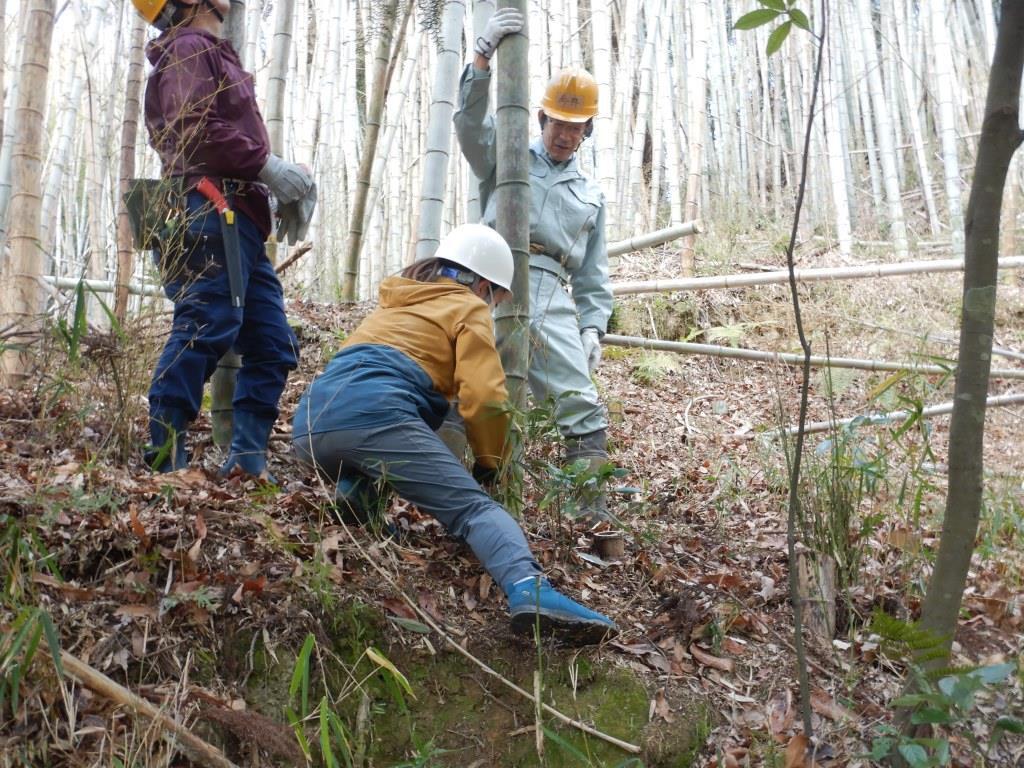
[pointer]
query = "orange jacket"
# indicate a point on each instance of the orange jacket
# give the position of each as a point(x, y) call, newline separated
point(448, 331)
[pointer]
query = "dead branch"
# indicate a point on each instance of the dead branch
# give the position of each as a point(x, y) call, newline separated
point(194, 748)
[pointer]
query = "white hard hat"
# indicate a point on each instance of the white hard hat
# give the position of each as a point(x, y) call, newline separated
point(481, 250)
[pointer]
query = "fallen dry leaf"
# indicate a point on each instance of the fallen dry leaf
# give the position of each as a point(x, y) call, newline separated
point(781, 716)
point(428, 603)
point(796, 751)
point(659, 707)
point(398, 608)
point(137, 527)
point(825, 705)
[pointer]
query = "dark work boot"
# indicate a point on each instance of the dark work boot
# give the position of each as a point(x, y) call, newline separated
point(592, 501)
point(250, 434)
point(166, 449)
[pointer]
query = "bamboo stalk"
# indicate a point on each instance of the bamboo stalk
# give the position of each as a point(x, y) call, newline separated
point(102, 286)
point(657, 237)
point(714, 350)
point(20, 297)
point(996, 401)
point(803, 276)
point(194, 748)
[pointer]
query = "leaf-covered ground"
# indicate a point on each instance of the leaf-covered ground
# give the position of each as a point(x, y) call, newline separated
point(198, 594)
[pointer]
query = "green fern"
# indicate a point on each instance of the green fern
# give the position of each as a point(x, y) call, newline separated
point(909, 641)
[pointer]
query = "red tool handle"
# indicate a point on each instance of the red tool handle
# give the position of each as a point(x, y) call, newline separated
point(209, 190)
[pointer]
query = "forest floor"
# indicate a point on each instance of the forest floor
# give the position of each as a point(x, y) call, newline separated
point(248, 613)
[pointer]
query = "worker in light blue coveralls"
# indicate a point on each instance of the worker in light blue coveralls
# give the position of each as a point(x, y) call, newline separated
point(369, 419)
point(567, 245)
point(203, 120)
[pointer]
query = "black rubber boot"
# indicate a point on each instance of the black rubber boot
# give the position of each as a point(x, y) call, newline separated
point(167, 430)
point(250, 433)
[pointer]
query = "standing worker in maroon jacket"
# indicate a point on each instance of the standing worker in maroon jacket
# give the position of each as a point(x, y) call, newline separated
point(203, 120)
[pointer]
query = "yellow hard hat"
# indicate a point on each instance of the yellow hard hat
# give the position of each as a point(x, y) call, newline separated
point(157, 12)
point(571, 96)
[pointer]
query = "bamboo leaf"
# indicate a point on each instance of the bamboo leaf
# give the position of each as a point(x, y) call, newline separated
point(300, 676)
point(52, 640)
point(799, 18)
point(411, 624)
point(775, 5)
point(381, 660)
point(778, 37)
point(756, 19)
point(325, 736)
point(115, 326)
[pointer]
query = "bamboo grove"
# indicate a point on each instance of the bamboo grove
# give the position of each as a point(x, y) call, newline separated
point(696, 121)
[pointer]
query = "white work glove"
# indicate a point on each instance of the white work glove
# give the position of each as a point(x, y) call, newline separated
point(288, 181)
point(507, 21)
point(591, 347)
point(294, 218)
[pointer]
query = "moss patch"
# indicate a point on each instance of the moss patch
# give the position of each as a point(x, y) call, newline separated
point(459, 714)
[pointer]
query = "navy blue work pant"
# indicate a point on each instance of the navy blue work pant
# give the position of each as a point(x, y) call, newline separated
point(206, 326)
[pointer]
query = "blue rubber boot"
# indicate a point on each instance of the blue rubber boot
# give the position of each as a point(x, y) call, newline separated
point(166, 450)
point(359, 500)
point(250, 433)
point(534, 603)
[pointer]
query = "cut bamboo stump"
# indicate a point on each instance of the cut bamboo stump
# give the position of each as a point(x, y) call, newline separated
point(816, 583)
point(609, 545)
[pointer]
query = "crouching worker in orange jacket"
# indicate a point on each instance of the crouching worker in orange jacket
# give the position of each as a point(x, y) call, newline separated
point(369, 419)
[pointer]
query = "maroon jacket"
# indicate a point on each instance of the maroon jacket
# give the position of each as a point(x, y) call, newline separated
point(202, 116)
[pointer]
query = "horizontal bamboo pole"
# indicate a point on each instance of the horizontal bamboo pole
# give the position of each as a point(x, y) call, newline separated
point(657, 237)
point(103, 286)
point(803, 276)
point(714, 350)
point(996, 401)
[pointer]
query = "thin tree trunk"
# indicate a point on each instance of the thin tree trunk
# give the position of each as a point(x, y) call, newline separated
point(20, 285)
point(512, 118)
point(383, 69)
point(129, 132)
point(1001, 136)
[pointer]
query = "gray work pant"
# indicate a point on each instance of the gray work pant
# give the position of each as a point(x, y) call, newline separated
point(419, 467)
point(558, 365)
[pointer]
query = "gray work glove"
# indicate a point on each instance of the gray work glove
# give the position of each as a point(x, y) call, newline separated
point(591, 347)
point(507, 21)
point(288, 181)
point(293, 218)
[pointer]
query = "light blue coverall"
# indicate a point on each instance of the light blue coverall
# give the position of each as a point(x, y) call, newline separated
point(567, 212)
